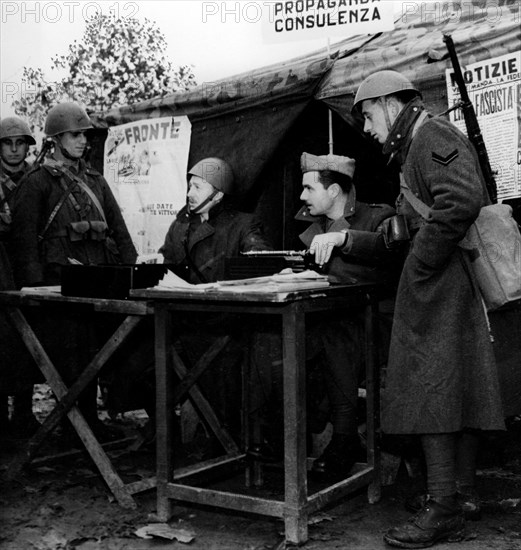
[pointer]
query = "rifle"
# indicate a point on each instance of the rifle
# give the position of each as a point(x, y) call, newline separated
point(47, 144)
point(471, 121)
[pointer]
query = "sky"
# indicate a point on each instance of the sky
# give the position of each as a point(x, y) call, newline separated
point(218, 39)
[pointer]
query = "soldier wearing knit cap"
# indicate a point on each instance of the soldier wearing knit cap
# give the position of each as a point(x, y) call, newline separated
point(347, 239)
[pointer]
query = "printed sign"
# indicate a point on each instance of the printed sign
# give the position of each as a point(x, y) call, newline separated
point(494, 88)
point(308, 19)
point(145, 166)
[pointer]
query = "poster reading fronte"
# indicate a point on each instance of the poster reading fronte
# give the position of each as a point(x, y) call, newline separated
point(494, 88)
point(145, 166)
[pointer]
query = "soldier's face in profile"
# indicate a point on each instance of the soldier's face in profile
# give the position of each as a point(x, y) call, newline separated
point(314, 195)
point(13, 150)
point(74, 143)
point(375, 123)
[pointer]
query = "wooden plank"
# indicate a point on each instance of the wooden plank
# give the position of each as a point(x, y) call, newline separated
point(68, 400)
point(230, 501)
point(34, 297)
point(164, 410)
point(195, 372)
point(334, 492)
point(204, 408)
point(295, 471)
point(57, 385)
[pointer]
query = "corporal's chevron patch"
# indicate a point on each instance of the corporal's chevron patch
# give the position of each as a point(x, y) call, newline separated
point(445, 161)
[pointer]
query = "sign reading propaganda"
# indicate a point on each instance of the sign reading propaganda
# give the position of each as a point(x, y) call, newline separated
point(494, 88)
point(145, 166)
point(308, 19)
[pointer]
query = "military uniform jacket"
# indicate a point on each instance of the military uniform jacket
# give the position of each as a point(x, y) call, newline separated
point(225, 234)
point(441, 374)
point(8, 186)
point(365, 256)
point(39, 255)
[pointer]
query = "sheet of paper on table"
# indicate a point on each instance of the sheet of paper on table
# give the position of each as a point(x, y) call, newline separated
point(55, 289)
point(284, 281)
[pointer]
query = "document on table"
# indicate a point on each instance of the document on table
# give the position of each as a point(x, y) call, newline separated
point(171, 281)
point(55, 289)
point(286, 280)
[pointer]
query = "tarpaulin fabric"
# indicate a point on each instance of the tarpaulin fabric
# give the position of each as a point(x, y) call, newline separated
point(242, 119)
point(416, 49)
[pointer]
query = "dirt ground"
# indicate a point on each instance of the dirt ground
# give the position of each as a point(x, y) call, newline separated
point(64, 505)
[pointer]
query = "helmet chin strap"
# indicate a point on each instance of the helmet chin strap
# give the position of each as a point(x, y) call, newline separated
point(198, 208)
point(385, 109)
point(64, 151)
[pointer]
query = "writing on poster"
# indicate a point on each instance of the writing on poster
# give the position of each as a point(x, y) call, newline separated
point(146, 165)
point(494, 88)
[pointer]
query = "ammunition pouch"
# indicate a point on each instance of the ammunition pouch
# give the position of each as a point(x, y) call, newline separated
point(87, 230)
point(395, 231)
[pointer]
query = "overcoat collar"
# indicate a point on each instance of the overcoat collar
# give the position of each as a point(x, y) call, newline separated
point(400, 136)
point(204, 229)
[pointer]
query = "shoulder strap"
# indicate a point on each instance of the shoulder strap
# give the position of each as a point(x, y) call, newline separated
point(83, 186)
point(413, 200)
point(56, 209)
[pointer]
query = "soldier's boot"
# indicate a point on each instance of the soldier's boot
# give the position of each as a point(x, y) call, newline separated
point(338, 458)
point(440, 520)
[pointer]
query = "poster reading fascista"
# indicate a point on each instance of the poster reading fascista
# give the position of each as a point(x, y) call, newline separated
point(145, 165)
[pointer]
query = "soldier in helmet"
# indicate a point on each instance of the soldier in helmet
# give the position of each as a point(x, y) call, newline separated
point(207, 230)
point(441, 382)
point(66, 211)
point(15, 140)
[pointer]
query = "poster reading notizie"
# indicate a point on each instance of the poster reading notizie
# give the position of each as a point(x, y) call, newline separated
point(494, 88)
point(145, 166)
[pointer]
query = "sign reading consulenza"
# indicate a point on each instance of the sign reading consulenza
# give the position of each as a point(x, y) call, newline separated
point(307, 19)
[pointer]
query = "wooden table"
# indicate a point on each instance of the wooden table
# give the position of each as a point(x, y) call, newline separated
point(12, 302)
point(292, 307)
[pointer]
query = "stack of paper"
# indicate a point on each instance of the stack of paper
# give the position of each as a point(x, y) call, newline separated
point(285, 281)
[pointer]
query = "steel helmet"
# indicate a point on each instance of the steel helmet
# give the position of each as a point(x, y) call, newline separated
point(380, 84)
point(66, 117)
point(217, 172)
point(13, 126)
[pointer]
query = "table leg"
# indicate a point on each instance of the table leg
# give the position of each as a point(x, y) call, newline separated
point(164, 410)
point(57, 385)
point(372, 396)
point(293, 341)
point(65, 404)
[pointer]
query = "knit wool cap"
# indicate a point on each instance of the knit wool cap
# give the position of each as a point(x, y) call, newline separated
point(336, 163)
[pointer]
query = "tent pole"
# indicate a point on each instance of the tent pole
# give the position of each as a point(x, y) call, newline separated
point(329, 112)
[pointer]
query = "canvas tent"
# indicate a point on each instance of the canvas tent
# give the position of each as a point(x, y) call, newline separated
point(262, 120)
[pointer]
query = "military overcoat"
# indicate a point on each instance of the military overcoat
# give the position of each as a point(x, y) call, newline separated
point(226, 233)
point(441, 373)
